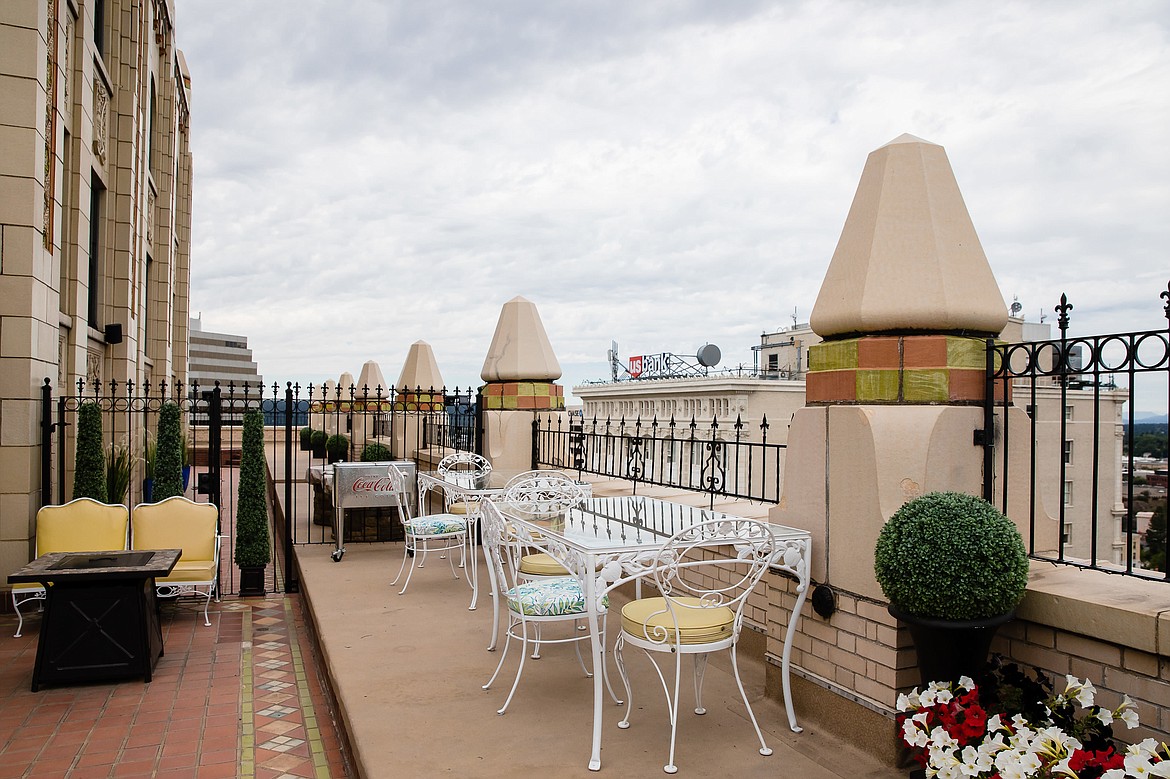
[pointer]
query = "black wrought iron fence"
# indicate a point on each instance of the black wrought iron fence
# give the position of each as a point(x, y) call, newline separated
point(720, 459)
point(306, 429)
point(1079, 398)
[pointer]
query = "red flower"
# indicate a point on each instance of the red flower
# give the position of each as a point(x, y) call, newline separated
point(1091, 765)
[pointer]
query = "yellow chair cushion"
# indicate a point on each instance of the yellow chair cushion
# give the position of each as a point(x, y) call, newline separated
point(541, 564)
point(196, 571)
point(700, 625)
point(177, 523)
point(81, 525)
point(463, 507)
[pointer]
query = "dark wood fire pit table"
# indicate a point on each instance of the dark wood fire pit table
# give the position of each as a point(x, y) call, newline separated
point(101, 616)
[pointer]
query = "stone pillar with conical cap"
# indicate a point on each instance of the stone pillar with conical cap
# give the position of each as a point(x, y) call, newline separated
point(419, 395)
point(371, 397)
point(894, 395)
point(520, 371)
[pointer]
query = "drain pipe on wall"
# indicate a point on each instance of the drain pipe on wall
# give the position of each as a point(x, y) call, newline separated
point(824, 600)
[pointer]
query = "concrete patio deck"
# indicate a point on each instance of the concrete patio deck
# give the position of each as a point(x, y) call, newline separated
point(407, 670)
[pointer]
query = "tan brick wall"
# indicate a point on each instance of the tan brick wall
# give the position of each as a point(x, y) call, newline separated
point(1114, 670)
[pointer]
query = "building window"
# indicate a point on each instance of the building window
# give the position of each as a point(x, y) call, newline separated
point(1068, 413)
point(99, 27)
point(1068, 452)
point(1068, 492)
point(773, 362)
point(1066, 534)
point(96, 193)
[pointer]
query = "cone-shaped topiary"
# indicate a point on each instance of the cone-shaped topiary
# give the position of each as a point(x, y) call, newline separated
point(89, 474)
point(950, 556)
point(168, 464)
point(375, 452)
point(252, 540)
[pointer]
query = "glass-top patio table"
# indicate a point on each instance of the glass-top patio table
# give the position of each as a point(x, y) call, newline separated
point(606, 542)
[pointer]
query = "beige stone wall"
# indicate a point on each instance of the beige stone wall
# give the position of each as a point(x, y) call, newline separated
point(77, 120)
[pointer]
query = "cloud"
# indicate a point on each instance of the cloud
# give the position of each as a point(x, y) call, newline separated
point(665, 174)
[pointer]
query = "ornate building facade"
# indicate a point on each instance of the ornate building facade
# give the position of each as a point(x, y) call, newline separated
point(95, 217)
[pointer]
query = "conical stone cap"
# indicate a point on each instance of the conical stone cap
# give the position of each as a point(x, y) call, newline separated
point(371, 379)
point(421, 370)
point(520, 350)
point(908, 258)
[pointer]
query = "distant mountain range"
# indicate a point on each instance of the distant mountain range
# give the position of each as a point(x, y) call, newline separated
point(1148, 418)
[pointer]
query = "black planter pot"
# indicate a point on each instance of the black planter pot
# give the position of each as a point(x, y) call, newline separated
point(252, 581)
point(948, 649)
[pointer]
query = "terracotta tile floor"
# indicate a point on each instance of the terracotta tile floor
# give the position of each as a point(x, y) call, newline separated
point(242, 698)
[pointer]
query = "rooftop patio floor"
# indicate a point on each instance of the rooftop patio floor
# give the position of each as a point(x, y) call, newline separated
point(245, 697)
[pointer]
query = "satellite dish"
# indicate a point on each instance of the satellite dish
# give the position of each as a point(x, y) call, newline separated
point(708, 355)
point(1016, 308)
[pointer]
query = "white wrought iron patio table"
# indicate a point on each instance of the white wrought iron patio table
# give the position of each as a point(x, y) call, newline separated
point(606, 542)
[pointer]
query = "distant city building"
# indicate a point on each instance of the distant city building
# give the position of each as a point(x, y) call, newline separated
point(777, 390)
point(221, 357)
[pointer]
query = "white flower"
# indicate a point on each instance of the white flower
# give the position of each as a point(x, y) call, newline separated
point(967, 683)
point(914, 735)
point(1105, 716)
point(1126, 712)
point(1140, 766)
point(1083, 692)
point(1145, 747)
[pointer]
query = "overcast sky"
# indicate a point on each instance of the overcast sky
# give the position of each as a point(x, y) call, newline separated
point(370, 173)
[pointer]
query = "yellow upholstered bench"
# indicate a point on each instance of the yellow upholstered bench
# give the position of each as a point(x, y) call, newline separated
point(178, 523)
point(81, 525)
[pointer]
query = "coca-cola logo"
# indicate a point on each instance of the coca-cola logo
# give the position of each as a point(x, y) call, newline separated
point(374, 484)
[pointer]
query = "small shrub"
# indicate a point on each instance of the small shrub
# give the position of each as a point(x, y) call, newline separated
point(89, 475)
point(306, 438)
point(375, 452)
point(119, 465)
point(946, 555)
point(320, 438)
point(252, 535)
point(168, 467)
point(337, 447)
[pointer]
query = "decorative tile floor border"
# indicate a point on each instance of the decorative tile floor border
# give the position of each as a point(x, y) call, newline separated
point(243, 698)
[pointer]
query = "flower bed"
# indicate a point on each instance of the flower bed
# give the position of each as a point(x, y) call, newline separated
point(1016, 729)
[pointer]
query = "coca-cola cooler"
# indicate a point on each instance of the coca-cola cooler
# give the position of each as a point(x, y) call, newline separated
point(363, 485)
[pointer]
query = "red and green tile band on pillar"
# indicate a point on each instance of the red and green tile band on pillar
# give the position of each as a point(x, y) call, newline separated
point(409, 400)
point(523, 395)
point(906, 369)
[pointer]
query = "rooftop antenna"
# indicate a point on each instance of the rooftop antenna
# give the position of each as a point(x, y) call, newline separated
point(794, 320)
point(1043, 316)
point(1016, 306)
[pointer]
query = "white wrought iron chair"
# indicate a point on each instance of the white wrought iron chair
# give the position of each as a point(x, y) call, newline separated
point(551, 599)
point(81, 525)
point(544, 491)
point(699, 610)
point(441, 533)
point(528, 486)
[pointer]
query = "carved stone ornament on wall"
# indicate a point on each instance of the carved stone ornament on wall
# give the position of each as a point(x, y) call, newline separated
point(93, 368)
point(62, 343)
point(101, 119)
point(68, 60)
point(150, 198)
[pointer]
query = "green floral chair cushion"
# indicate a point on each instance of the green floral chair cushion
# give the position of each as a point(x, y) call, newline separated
point(437, 525)
point(550, 597)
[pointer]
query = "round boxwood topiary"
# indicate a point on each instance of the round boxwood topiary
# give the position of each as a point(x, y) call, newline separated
point(375, 452)
point(946, 555)
point(337, 447)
